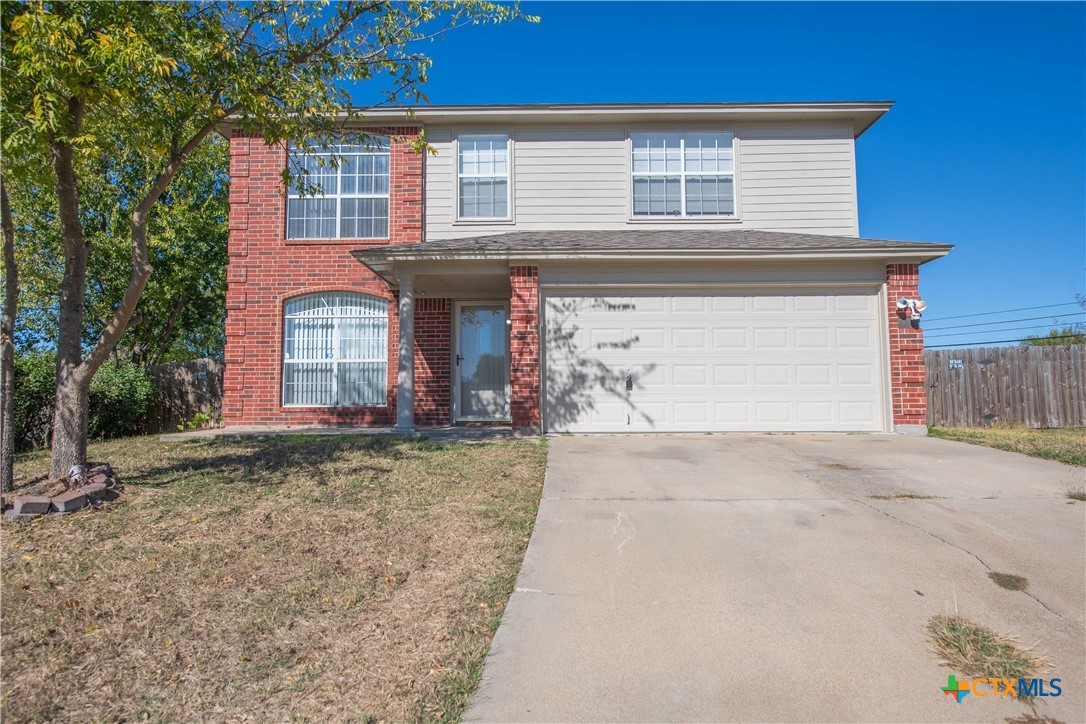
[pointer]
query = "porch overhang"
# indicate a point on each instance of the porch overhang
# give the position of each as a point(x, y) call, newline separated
point(476, 258)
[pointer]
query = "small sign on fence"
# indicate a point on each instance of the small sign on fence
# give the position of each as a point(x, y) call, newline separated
point(955, 364)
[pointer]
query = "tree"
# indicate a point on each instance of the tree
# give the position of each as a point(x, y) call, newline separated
point(1066, 334)
point(182, 311)
point(86, 81)
point(1058, 336)
point(7, 346)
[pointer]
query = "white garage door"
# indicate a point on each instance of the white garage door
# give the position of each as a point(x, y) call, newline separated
point(806, 361)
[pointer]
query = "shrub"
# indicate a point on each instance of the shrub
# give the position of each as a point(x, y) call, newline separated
point(35, 387)
point(119, 397)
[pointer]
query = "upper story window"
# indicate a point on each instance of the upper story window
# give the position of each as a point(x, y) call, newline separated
point(482, 173)
point(683, 174)
point(348, 191)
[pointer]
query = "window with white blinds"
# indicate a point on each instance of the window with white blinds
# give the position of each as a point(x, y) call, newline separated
point(335, 350)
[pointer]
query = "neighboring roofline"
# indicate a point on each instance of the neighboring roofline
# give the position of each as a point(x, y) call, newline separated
point(380, 260)
point(862, 114)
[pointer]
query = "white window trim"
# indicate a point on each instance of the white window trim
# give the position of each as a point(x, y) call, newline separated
point(510, 216)
point(339, 197)
point(631, 218)
point(335, 360)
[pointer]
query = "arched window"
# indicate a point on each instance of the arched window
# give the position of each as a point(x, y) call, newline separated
point(335, 350)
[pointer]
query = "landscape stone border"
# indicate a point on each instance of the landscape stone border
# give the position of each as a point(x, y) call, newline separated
point(98, 486)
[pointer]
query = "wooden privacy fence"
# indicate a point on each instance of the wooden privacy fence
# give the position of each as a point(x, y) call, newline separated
point(183, 389)
point(1031, 386)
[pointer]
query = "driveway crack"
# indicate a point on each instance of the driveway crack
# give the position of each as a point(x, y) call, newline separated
point(952, 545)
point(621, 518)
point(518, 589)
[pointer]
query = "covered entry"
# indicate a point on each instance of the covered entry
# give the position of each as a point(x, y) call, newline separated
point(750, 359)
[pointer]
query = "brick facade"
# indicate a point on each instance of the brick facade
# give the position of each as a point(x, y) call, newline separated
point(433, 351)
point(265, 269)
point(524, 347)
point(909, 398)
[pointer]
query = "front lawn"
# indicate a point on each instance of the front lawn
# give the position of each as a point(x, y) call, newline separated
point(1066, 444)
point(319, 578)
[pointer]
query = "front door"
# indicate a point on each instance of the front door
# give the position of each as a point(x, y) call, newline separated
point(481, 371)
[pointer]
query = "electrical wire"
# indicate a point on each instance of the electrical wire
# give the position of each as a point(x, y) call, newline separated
point(999, 341)
point(990, 331)
point(992, 324)
point(1003, 311)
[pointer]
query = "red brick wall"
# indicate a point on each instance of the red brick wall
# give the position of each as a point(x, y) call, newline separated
point(524, 346)
point(433, 340)
point(910, 402)
point(265, 269)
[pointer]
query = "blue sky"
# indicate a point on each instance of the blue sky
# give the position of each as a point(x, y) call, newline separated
point(985, 149)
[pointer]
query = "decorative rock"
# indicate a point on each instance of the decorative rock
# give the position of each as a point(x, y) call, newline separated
point(67, 502)
point(31, 505)
point(95, 491)
point(12, 517)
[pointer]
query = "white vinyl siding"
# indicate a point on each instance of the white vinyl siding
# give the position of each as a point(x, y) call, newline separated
point(335, 350)
point(683, 175)
point(348, 189)
point(788, 177)
point(483, 176)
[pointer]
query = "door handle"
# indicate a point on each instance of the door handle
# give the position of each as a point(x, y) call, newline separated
point(458, 359)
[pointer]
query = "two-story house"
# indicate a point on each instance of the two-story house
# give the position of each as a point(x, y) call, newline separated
point(574, 268)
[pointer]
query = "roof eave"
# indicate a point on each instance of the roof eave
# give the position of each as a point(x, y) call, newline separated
point(382, 263)
point(862, 114)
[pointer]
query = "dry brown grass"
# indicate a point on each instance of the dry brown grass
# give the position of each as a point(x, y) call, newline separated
point(324, 578)
point(1066, 444)
point(974, 650)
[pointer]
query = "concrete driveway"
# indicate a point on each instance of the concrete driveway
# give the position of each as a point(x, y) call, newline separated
point(755, 578)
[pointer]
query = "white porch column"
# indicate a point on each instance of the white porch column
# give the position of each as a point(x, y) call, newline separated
point(405, 380)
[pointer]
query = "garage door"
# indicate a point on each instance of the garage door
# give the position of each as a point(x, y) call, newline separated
point(752, 360)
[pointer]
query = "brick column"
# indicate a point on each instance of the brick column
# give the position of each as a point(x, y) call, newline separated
point(433, 373)
point(907, 380)
point(524, 348)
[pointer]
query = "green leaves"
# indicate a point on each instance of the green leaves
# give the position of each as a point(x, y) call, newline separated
point(134, 91)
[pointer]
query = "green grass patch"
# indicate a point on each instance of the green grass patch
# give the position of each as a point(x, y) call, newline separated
point(1068, 444)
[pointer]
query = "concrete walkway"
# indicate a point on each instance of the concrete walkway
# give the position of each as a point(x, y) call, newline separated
point(450, 434)
point(755, 578)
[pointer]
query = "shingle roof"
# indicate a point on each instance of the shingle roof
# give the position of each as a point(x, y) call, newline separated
point(656, 240)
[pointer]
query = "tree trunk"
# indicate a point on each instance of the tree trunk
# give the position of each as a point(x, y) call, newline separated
point(73, 384)
point(7, 346)
point(70, 419)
